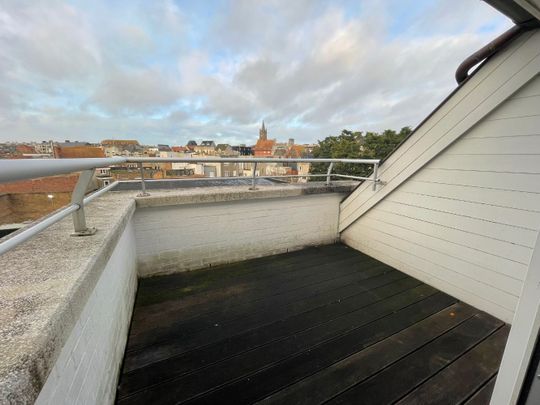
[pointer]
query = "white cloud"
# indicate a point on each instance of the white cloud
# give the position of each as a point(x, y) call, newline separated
point(168, 73)
point(135, 91)
point(53, 41)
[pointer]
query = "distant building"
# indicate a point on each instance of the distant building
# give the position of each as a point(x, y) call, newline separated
point(120, 142)
point(308, 149)
point(206, 148)
point(279, 149)
point(73, 150)
point(44, 147)
point(121, 147)
point(191, 145)
point(164, 148)
point(25, 149)
point(243, 150)
point(151, 151)
point(226, 150)
point(180, 149)
point(295, 151)
point(264, 147)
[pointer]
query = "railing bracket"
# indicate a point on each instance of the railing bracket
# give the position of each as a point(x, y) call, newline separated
point(376, 179)
point(329, 173)
point(143, 192)
point(86, 232)
point(77, 198)
point(253, 177)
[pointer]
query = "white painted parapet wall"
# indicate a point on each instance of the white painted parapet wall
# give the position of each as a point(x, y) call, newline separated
point(88, 366)
point(178, 231)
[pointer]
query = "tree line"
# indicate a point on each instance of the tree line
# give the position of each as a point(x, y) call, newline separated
point(356, 145)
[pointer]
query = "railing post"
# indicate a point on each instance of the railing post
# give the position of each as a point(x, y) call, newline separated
point(375, 176)
point(253, 176)
point(143, 192)
point(328, 173)
point(77, 198)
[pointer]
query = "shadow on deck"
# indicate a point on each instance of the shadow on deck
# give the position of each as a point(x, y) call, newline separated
point(325, 324)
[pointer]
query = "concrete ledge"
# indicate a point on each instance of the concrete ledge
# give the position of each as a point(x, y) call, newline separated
point(197, 195)
point(44, 285)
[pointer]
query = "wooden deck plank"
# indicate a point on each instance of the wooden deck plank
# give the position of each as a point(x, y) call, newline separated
point(209, 378)
point(348, 372)
point(374, 290)
point(483, 395)
point(461, 379)
point(209, 299)
point(235, 298)
point(257, 386)
point(343, 318)
point(199, 296)
point(304, 327)
point(157, 288)
point(273, 296)
point(419, 366)
point(221, 330)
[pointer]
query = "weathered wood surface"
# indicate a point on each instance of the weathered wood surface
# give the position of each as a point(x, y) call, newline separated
point(325, 324)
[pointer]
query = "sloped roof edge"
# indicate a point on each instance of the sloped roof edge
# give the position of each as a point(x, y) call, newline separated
point(521, 12)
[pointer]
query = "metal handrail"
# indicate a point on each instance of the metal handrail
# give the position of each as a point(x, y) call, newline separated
point(250, 160)
point(14, 170)
point(24, 169)
point(19, 237)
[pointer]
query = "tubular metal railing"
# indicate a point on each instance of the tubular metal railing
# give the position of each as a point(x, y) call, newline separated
point(13, 170)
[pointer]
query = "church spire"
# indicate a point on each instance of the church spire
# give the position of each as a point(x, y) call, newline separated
point(263, 134)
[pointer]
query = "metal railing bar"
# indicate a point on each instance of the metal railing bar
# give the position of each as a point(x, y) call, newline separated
point(99, 192)
point(346, 176)
point(34, 228)
point(13, 170)
point(22, 169)
point(223, 178)
point(250, 160)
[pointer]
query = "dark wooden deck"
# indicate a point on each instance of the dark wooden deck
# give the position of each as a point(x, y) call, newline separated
point(321, 325)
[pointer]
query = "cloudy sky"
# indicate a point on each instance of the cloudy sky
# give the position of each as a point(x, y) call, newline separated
point(170, 71)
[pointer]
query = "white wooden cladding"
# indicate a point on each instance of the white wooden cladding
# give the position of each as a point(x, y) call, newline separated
point(492, 85)
point(460, 209)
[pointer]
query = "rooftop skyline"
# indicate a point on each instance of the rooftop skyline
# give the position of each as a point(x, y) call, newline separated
point(167, 72)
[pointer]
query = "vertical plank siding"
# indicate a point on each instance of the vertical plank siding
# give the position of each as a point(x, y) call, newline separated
point(460, 205)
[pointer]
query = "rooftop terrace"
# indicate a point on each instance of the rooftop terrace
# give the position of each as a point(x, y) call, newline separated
point(326, 324)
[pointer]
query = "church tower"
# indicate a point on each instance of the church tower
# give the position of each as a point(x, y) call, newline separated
point(263, 134)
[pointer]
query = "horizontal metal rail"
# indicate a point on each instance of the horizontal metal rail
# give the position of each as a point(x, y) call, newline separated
point(14, 170)
point(26, 233)
point(250, 160)
point(22, 169)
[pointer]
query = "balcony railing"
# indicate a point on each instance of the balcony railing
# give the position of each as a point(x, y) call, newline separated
point(13, 170)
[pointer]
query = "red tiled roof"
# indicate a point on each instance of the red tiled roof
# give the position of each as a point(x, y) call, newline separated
point(264, 145)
